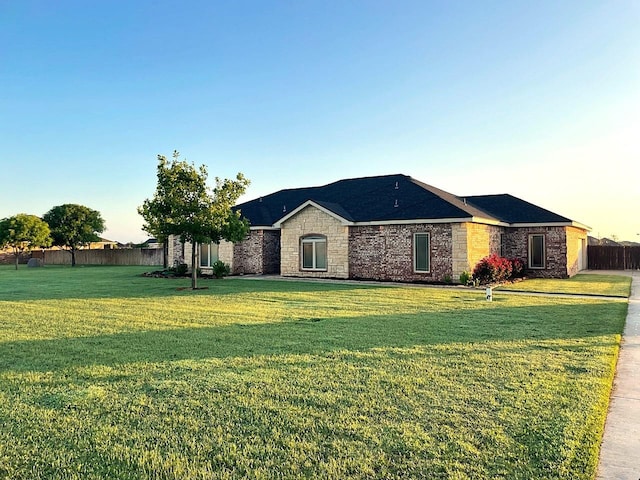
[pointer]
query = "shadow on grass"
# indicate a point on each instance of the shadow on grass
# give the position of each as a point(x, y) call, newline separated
point(319, 336)
point(60, 283)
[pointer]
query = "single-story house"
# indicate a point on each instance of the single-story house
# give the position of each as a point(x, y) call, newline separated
point(394, 228)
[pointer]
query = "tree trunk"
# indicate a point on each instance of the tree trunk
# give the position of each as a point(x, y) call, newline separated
point(17, 259)
point(73, 257)
point(194, 270)
point(165, 253)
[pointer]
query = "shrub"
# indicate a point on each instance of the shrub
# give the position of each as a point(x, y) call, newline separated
point(492, 269)
point(517, 267)
point(465, 278)
point(182, 269)
point(220, 269)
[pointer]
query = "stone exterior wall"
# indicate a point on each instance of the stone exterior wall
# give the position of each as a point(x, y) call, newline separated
point(471, 243)
point(225, 253)
point(482, 241)
point(259, 253)
point(460, 257)
point(309, 221)
point(176, 252)
point(385, 252)
point(576, 250)
point(517, 245)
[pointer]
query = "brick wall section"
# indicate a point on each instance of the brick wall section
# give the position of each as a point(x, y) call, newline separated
point(385, 252)
point(271, 249)
point(517, 245)
point(314, 221)
point(576, 247)
point(259, 253)
point(247, 254)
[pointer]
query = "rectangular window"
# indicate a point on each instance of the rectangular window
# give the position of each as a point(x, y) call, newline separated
point(421, 253)
point(208, 254)
point(536, 251)
point(314, 253)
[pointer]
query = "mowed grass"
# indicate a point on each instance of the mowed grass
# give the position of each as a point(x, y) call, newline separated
point(106, 374)
point(584, 284)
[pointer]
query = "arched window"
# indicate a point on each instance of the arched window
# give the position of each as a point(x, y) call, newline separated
point(313, 253)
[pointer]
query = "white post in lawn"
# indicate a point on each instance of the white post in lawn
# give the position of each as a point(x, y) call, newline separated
point(489, 294)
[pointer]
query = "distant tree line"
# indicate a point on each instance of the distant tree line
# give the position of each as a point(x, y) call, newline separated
point(69, 226)
point(182, 205)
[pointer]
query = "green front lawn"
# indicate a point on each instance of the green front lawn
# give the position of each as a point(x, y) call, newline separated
point(584, 284)
point(106, 374)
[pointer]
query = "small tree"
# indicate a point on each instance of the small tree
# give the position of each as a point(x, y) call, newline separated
point(73, 226)
point(24, 232)
point(183, 205)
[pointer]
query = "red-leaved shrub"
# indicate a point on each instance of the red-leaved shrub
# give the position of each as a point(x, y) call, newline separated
point(493, 269)
point(517, 267)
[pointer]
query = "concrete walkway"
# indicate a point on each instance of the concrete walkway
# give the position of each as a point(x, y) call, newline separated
point(620, 451)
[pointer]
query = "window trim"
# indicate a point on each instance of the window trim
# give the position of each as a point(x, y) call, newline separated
point(415, 251)
point(530, 251)
point(313, 239)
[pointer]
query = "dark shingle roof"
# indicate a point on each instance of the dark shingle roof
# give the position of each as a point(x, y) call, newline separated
point(384, 198)
point(393, 197)
point(510, 209)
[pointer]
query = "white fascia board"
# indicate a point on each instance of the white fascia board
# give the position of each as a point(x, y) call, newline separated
point(311, 203)
point(581, 225)
point(414, 221)
point(277, 225)
point(490, 221)
point(552, 224)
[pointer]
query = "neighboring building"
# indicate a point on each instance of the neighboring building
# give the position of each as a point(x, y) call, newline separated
point(102, 244)
point(395, 228)
point(604, 242)
point(151, 243)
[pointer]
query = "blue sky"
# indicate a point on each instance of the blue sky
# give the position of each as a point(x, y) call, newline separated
point(537, 99)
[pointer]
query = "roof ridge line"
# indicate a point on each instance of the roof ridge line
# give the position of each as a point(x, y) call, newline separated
point(455, 201)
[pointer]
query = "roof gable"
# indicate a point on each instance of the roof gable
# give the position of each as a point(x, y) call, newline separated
point(331, 209)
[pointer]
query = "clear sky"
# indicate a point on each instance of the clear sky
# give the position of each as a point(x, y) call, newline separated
point(537, 99)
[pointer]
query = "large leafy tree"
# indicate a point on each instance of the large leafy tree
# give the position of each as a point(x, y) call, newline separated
point(24, 232)
point(73, 226)
point(183, 205)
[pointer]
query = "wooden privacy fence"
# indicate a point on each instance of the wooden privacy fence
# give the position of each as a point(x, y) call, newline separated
point(124, 256)
point(603, 257)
